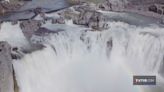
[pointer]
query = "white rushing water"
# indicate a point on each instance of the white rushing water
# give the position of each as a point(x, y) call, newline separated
point(80, 61)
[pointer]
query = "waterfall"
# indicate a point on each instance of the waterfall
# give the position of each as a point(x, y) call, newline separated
point(76, 60)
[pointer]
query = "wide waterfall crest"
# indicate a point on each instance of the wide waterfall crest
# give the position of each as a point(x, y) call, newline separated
point(77, 60)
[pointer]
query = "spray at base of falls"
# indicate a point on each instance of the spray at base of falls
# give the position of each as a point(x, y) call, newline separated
point(79, 61)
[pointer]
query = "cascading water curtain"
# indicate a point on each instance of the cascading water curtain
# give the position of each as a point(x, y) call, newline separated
point(85, 61)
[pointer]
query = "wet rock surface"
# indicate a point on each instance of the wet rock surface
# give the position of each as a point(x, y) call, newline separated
point(157, 8)
point(106, 6)
point(85, 14)
point(35, 35)
point(29, 27)
point(6, 7)
point(60, 20)
point(14, 22)
point(153, 8)
point(149, 8)
point(42, 31)
point(69, 13)
point(34, 47)
point(16, 53)
point(85, 6)
point(109, 46)
point(6, 71)
point(75, 11)
point(161, 69)
point(92, 19)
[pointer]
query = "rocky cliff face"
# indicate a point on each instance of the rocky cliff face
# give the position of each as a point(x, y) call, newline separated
point(6, 71)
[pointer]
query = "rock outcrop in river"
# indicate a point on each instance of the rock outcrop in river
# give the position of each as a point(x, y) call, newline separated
point(29, 27)
point(92, 19)
point(86, 14)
